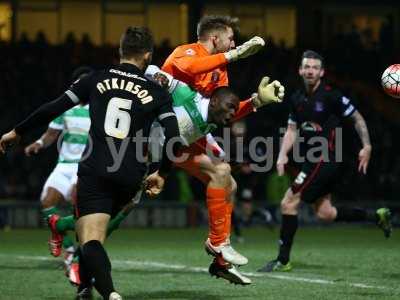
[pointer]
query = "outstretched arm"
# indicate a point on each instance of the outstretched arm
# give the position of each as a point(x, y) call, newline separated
point(43, 115)
point(46, 113)
point(194, 65)
point(267, 93)
point(362, 131)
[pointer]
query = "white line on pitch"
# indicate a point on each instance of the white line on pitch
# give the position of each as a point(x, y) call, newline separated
point(124, 263)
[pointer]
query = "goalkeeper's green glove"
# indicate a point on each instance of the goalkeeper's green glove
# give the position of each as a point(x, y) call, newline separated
point(268, 93)
point(248, 48)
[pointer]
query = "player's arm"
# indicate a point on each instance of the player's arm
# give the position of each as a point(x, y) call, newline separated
point(77, 93)
point(43, 115)
point(47, 139)
point(362, 130)
point(267, 93)
point(287, 143)
point(347, 110)
point(194, 65)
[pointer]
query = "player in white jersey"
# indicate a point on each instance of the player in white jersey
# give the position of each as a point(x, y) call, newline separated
point(70, 130)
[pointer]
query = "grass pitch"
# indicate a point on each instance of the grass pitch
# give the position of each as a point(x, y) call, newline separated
point(329, 263)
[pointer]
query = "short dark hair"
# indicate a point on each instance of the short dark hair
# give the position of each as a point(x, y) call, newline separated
point(314, 55)
point(80, 72)
point(135, 41)
point(210, 23)
point(223, 91)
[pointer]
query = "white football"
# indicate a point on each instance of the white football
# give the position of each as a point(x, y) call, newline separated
point(391, 81)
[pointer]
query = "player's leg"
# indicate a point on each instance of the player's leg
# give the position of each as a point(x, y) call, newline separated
point(51, 197)
point(324, 210)
point(53, 193)
point(55, 190)
point(79, 276)
point(308, 187)
point(93, 209)
point(218, 180)
point(67, 223)
point(289, 225)
point(219, 238)
point(116, 221)
point(220, 185)
point(303, 189)
point(230, 199)
point(94, 262)
point(320, 189)
point(74, 275)
point(329, 213)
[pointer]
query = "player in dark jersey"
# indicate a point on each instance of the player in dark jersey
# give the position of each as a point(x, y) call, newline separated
point(123, 105)
point(317, 110)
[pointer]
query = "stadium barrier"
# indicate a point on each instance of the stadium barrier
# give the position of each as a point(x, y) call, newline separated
point(157, 214)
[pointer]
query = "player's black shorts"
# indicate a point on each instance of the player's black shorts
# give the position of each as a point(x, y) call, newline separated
point(316, 180)
point(101, 195)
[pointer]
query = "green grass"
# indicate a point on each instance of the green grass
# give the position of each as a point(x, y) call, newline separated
point(161, 264)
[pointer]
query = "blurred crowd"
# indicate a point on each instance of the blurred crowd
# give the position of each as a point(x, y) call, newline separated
point(34, 72)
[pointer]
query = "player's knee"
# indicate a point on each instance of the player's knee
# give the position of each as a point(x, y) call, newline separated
point(327, 214)
point(92, 227)
point(285, 207)
point(46, 202)
point(223, 169)
point(222, 174)
point(290, 204)
point(51, 198)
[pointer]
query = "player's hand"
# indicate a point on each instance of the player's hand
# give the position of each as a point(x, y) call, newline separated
point(153, 184)
point(33, 148)
point(268, 92)
point(364, 157)
point(248, 48)
point(9, 139)
point(280, 164)
point(162, 80)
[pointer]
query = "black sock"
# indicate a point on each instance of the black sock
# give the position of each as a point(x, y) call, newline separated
point(353, 214)
point(98, 266)
point(288, 230)
point(86, 280)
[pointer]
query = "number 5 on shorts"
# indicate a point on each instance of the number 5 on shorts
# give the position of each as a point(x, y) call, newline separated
point(300, 178)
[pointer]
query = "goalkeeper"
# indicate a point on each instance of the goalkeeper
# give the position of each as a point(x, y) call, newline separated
point(203, 66)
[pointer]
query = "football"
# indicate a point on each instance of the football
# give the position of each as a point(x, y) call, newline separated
point(391, 81)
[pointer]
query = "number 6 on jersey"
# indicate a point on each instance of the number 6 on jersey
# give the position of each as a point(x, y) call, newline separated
point(118, 121)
